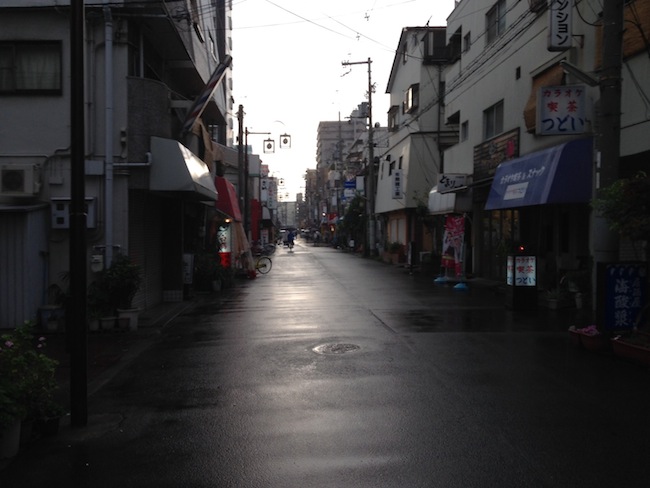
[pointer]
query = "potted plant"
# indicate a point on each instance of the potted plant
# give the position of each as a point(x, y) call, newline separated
point(27, 384)
point(589, 338)
point(100, 313)
point(578, 283)
point(206, 272)
point(120, 282)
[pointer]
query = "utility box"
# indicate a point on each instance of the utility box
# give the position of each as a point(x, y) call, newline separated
point(521, 281)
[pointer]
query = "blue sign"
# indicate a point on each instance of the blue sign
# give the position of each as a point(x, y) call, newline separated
point(623, 288)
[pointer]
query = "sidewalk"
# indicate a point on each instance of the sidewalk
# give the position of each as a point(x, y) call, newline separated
point(108, 352)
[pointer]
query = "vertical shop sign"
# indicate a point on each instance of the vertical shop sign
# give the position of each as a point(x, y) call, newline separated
point(560, 28)
point(622, 292)
point(264, 190)
point(397, 184)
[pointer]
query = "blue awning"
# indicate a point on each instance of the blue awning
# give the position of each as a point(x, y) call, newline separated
point(561, 174)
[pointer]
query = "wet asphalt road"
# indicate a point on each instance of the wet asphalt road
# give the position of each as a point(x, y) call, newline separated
point(337, 371)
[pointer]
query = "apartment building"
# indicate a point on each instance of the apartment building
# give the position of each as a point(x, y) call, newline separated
point(150, 152)
point(417, 135)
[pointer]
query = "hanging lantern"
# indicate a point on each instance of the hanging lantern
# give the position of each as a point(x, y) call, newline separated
point(285, 140)
point(269, 146)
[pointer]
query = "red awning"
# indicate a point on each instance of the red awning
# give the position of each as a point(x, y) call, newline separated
point(227, 201)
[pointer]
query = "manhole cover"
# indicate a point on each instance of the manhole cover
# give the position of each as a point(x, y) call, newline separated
point(335, 348)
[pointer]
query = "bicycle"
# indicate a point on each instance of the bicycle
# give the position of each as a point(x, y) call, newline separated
point(263, 264)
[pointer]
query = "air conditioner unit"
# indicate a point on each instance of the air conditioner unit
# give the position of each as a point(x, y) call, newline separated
point(18, 180)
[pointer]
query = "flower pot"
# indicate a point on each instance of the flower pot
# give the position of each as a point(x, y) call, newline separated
point(26, 432)
point(48, 427)
point(597, 342)
point(51, 316)
point(10, 440)
point(107, 323)
point(130, 315)
point(637, 353)
point(93, 325)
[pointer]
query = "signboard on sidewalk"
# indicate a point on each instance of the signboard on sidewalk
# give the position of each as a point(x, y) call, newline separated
point(622, 292)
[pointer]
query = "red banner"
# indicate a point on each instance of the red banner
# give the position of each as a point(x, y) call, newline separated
point(452, 243)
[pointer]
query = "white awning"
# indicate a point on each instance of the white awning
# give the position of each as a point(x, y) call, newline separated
point(448, 202)
point(174, 168)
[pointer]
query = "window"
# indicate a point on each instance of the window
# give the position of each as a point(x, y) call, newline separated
point(391, 168)
point(464, 131)
point(392, 118)
point(454, 47)
point(496, 21)
point(467, 42)
point(493, 120)
point(411, 98)
point(435, 49)
point(30, 67)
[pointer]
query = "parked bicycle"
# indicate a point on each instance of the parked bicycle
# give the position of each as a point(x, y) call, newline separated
point(266, 250)
point(263, 264)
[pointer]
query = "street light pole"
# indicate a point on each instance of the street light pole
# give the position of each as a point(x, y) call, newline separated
point(369, 249)
point(246, 182)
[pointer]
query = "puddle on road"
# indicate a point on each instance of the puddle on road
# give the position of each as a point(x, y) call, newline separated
point(335, 348)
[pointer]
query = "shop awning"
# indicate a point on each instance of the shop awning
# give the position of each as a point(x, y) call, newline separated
point(448, 202)
point(174, 168)
point(560, 174)
point(227, 201)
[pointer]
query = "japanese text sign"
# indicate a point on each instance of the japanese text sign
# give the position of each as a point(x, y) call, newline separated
point(521, 271)
point(397, 184)
point(450, 181)
point(559, 25)
point(624, 286)
point(561, 110)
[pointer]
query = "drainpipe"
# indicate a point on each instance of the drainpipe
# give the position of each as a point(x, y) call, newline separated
point(108, 134)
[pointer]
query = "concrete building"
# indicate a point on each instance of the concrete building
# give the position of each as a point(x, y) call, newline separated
point(339, 159)
point(417, 136)
point(530, 131)
point(149, 163)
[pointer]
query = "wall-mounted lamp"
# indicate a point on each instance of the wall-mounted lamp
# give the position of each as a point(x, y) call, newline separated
point(578, 73)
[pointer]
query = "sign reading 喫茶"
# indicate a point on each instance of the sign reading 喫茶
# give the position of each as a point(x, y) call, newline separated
point(561, 110)
point(521, 271)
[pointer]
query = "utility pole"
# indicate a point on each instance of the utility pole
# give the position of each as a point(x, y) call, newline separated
point(76, 320)
point(246, 208)
point(241, 160)
point(369, 249)
point(605, 241)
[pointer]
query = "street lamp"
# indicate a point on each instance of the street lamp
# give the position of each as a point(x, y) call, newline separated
point(268, 147)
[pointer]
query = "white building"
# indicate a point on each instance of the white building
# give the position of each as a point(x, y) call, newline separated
point(410, 163)
point(516, 104)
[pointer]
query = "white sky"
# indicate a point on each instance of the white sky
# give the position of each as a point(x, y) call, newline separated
point(287, 70)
